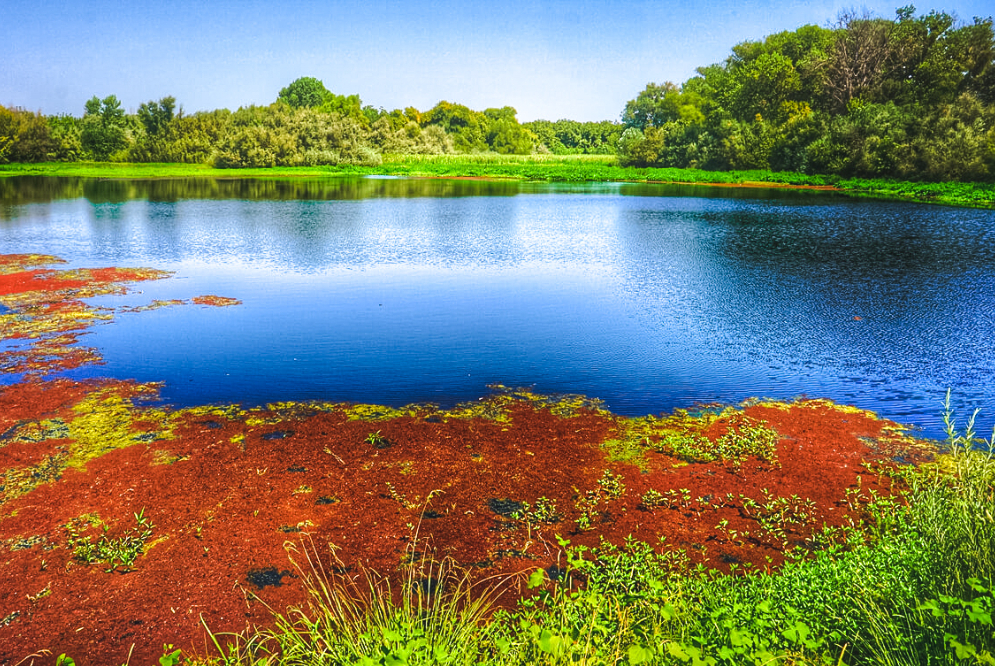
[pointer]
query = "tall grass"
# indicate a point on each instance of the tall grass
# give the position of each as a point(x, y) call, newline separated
point(435, 616)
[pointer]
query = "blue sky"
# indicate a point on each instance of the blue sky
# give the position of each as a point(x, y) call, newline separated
point(578, 59)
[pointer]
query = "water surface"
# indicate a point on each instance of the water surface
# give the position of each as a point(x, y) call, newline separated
point(646, 296)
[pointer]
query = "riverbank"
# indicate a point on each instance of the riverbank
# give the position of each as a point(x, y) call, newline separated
point(552, 168)
point(766, 532)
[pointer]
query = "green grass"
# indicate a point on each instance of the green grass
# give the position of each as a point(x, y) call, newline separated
point(551, 168)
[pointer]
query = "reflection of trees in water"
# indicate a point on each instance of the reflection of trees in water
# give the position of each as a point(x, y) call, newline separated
point(721, 192)
point(38, 189)
point(859, 242)
point(22, 190)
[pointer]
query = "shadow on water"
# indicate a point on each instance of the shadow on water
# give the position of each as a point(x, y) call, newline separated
point(23, 190)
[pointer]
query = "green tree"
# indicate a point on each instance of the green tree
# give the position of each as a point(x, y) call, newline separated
point(306, 91)
point(350, 106)
point(855, 66)
point(156, 116)
point(505, 135)
point(467, 128)
point(8, 133)
point(654, 106)
point(509, 138)
point(66, 131)
point(33, 138)
point(103, 131)
point(764, 85)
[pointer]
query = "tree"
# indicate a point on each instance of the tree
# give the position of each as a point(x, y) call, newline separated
point(652, 107)
point(33, 141)
point(467, 128)
point(508, 113)
point(103, 131)
point(8, 133)
point(856, 62)
point(306, 91)
point(507, 137)
point(156, 116)
point(765, 84)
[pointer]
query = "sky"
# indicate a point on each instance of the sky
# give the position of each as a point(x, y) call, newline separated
point(576, 59)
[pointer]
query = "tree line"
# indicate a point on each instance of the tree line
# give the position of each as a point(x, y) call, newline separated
point(307, 125)
point(911, 97)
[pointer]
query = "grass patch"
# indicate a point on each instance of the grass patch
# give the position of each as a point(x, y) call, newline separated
point(117, 552)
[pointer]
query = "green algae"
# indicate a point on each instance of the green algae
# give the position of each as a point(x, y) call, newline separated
point(104, 422)
point(19, 481)
point(33, 432)
point(683, 435)
point(373, 413)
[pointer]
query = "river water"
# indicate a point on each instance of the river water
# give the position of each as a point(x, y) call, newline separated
point(649, 297)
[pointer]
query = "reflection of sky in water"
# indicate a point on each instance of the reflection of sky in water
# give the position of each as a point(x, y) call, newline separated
point(378, 291)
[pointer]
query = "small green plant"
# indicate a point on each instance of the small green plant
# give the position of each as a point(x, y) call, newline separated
point(967, 623)
point(170, 657)
point(119, 552)
point(652, 499)
point(748, 437)
point(544, 511)
point(611, 485)
point(377, 440)
point(779, 516)
point(589, 504)
point(396, 495)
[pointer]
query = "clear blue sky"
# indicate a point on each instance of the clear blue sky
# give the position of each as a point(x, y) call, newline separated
point(577, 59)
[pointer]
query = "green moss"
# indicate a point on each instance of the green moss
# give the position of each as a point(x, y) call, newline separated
point(18, 481)
point(104, 422)
point(363, 412)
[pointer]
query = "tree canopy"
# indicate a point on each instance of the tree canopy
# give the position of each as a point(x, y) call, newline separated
point(867, 96)
point(305, 91)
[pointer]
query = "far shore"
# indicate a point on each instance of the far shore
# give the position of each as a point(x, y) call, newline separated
point(535, 168)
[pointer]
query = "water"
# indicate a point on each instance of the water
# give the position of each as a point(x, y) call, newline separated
point(649, 297)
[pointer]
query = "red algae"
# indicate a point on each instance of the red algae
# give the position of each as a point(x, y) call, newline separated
point(216, 301)
point(226, 489)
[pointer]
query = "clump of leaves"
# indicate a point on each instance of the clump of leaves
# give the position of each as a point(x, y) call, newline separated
point(378, 441)
point(544, 511)
point(592, 502)
point(748, 437)
point(967, 623)
point(779, 516)
point(118, 552)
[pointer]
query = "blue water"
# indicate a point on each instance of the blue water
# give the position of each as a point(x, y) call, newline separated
point(649, 297)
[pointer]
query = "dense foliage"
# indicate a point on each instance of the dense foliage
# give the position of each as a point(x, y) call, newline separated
point(307, 125)
point(912, 98)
